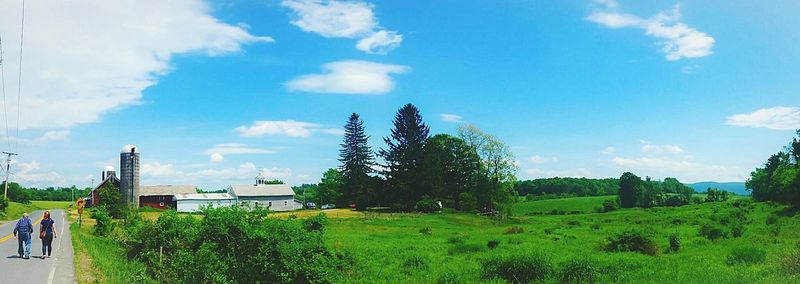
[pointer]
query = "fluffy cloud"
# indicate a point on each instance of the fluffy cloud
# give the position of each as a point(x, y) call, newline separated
point(235, 149)
point(536, 159)
point(31, 173)
point(289, 128)
point(86, 58)
point(777, 118)
point(678, 40)
point(53, 135)
point(349, 77)
point(539, 173)
point(672, 149)
point(344, 19)
point(157, 169)
point(276, 173)
point(684, 168)
point(608, 151)
point(216, 158)
point(446, 117)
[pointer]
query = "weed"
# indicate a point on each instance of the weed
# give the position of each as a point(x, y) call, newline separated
point(517, 268)
point(465, 248)
point(746, 255)
point(492, 244)
point(632, 241)
point(674, 243)
point(579, 270)
point(426, 231)
point(514, 230)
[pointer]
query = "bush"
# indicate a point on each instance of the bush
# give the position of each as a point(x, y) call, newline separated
point(466, 248)
point(609, 205)
point(697, 200)
point(514, 230)
point(426, 231)
point(674, 243)
point(746, 255)
point(460, 239)
point(713, 232)
point(492, 244)
point(517, 268)
point(104, 224)
point(632, 241)
point(3, 204)
point(427, 205)
point(791, 262)
point(413, 262)
point(316, 223)
point(580, 270)
point(772, 219)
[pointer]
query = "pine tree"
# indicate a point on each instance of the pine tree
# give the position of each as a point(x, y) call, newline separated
point(404, 156)
point(357, 161)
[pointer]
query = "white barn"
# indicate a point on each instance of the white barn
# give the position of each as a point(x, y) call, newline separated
point(275, 197)
point(193, 201)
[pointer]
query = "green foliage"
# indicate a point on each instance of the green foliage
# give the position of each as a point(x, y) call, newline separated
point(330, 188)
point(498, 166)
point(403, 156)
point(231, 245)
point(567, 187)
point(111, 199)
point(459, 239)
point(17, 193)
point(608, 206)
point(452, 169)
point(462, 248)
point(580, 270)
point(354, 185)
point(3, 204)
point(104, 224)
point(629, 189)
point(716, 195)
point(790, 262)
point(427, 205)
point(514, 230)
point(492, 244)
point(413, 261)
point(316, 223)
point(426, 231)
point(674, 243)
point(632, 241)
point(746, 255)
point(713, 231)
point(779, 179)
point(517, 268)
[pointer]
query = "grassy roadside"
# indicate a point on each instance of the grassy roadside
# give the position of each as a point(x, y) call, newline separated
point(101, 259)
point(15, 210)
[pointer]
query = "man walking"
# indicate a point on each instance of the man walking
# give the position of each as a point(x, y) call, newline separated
point(22, 232)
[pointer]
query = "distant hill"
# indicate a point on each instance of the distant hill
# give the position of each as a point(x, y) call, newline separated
point(735, 187)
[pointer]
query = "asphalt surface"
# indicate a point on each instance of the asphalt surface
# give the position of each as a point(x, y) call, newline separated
point(58, 268)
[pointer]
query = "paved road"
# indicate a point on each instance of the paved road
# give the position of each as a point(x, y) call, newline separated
point(57, 269)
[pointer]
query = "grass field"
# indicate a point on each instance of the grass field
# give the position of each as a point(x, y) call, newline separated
point(450, 247)
point(15, 210)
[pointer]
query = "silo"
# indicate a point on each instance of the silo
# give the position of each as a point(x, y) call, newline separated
point(129, 175)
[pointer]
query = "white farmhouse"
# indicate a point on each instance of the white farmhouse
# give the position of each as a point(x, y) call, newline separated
point(192, 202)
point(275, 197)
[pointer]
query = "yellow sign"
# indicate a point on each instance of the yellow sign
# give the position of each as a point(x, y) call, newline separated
point(80, 202)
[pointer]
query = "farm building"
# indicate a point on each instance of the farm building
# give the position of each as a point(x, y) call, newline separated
point(108, 176)
point(191, 202)
point(276, 197)
point(163, 196)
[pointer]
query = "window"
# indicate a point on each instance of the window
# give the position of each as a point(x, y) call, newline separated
point(161, 204)
point(270, 204)
point(285, 203)
point(256, 204)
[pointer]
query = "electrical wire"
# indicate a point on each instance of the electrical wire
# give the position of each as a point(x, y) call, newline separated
point(3, 83)
point(19, 81)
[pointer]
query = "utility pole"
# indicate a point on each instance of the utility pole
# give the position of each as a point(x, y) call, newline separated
point(8, 168)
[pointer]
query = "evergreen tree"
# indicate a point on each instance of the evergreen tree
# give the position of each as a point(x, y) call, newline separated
point(404, 157)
point(357, 160)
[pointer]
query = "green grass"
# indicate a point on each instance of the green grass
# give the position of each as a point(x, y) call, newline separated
point(583, 204)
point(15, 210)
point(382, 245)
point(102, 260)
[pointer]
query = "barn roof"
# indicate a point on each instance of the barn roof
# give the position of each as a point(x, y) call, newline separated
point(151, 190)
point(262, 190)
point(203, 196)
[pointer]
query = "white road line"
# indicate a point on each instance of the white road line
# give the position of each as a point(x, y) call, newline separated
point(53, 271)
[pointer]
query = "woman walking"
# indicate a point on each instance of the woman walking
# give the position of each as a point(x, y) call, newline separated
point(47, 232)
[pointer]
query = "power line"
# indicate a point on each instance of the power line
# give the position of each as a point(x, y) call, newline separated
point(5, 102)
point(19, 81)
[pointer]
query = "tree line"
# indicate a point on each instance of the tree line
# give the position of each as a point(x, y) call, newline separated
point(779, 179)
point(635, 192)
point(473, 171)
point(20, 194)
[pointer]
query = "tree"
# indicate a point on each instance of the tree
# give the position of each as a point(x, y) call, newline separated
point(629, 189)
point(111, 199)
point(497, 163)
point(357, 160)
point(329, 187)
point(451, 168)
point(404, 155)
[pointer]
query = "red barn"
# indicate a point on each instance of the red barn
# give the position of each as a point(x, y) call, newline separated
point(163, 196)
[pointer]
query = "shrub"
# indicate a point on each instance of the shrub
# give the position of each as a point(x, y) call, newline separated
point(713, 232)
point(791, 262)
point(427, 205)
point(772, 219)
point(514, 230)
point(746, 255)
point(415, 262)
point(579, 270)
point(549, 231)
point(3, 204)
point(459, 239)
point(104, 224)
point(426, 231)
point(609, 205)
point(595, 226)
point(517, 268)
point(573, 223)
point(697, 200)
point(466, 248)
point(492, 244)
point(632, 241)
point(674, 243)
point(316, 223)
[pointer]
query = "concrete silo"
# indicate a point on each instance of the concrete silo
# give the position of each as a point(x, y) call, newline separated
point(129, 174)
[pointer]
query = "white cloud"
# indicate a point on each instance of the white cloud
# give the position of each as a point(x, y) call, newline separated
point(276, 173)
point(86, 58)
point(777, 118)
point(447, 117)
point(685, 169)
point(536, 159)
point(349, 77)
point(53, 135)
point(380, 42)
point(157, 169)
point(216, 158)
point(666, 148)
point(539, 173)
point(678, 39)
point(289, 128)
point(32, 173)
point(611, 4)
point(344, 19)
point(608, 151)
point(235, 149)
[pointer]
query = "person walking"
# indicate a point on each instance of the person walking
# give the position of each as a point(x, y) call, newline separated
point(22, 232)
point(47, 232)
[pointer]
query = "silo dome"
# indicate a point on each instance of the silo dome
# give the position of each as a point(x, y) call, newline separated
point(108, 169)
point(128, 148)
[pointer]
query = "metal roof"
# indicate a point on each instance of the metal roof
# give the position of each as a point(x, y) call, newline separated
point(128, 148)
point(261, 190)
point(203, 196)
point(151, 190)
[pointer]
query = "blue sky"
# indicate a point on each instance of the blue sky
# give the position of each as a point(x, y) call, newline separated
point(214, 92)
